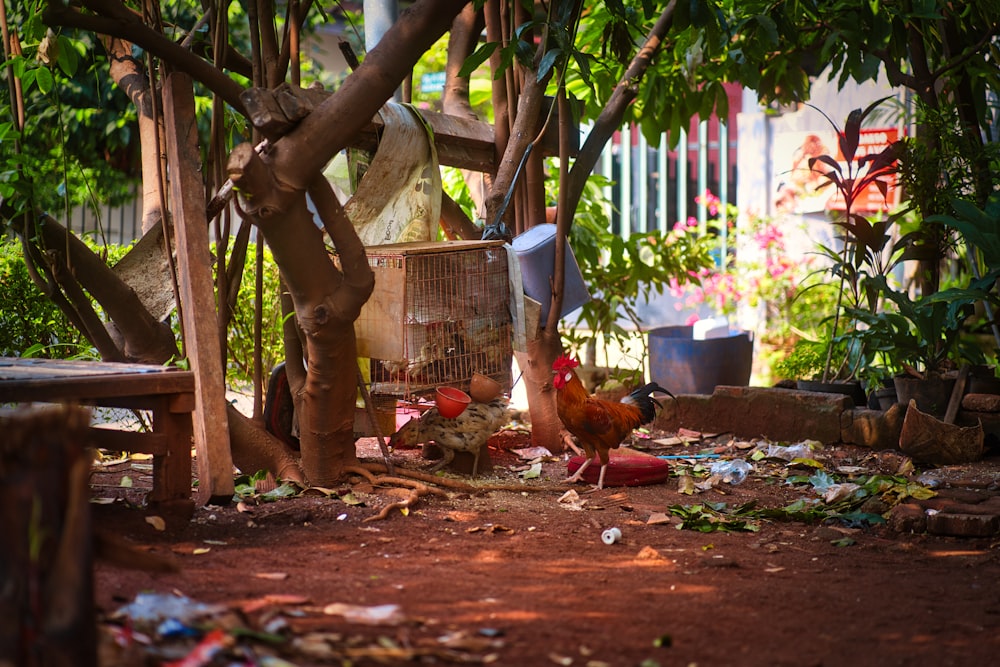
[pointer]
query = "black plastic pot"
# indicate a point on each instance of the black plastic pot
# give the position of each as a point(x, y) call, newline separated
point(852, 389)
point(931, 394)
point(883, 399)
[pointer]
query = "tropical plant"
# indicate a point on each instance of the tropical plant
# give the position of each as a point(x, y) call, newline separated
point(240, 343)
point(868, 251)
point(31, 325)
point(751, 268)
point(805, 361)
point(923, 336)
point(980, 227)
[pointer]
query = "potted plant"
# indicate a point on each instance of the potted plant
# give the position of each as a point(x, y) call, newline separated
point(868, 252)
point(980, 229)
point(805, 364)
point(923, 339)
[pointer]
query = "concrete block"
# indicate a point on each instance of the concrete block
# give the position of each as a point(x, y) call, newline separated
point(981, 402)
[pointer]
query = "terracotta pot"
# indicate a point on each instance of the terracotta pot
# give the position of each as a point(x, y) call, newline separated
point(483, 388)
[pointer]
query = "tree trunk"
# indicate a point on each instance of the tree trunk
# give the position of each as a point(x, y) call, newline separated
point(326, 304)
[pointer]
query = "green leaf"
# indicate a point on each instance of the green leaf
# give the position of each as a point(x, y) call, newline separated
point(43, 77)
point(809, 463)
point(69, 59)
point(549, 61)
point(478, 58)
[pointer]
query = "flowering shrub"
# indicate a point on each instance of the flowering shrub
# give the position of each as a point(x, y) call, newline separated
point(755, 272)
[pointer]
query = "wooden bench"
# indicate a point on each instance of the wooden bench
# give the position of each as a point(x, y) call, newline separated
point(168, 393)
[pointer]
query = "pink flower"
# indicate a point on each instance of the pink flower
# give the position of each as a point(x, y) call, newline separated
point(709, 200)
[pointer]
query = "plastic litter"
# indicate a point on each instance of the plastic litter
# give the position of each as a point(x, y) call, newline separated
point(732, 472)
point(149, 610)
point(801, 450)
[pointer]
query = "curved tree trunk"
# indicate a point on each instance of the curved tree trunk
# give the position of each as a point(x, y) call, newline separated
point(326, 304)
point(326, 299)
point(546, 345)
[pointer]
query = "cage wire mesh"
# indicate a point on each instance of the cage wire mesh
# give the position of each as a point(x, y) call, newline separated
point(439, 313)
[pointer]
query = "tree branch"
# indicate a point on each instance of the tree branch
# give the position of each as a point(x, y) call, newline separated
point(299, 155)
point(114, 20)
point(611, 117)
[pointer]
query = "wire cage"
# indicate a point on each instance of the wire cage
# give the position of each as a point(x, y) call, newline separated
point(440, 312)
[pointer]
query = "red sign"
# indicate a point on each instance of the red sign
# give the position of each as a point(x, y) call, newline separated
point(871, 142)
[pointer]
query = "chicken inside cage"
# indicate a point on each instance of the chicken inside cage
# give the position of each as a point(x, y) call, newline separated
point(440, 312)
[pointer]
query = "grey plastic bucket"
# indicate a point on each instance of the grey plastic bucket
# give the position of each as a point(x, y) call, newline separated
point(684, 365)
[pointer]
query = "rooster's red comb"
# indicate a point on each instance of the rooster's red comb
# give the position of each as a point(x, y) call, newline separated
point(564, 361)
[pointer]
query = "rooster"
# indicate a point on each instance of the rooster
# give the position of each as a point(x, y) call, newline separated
point(599, 425)
point(467, 432)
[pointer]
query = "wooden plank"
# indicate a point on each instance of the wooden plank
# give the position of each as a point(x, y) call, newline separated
point(11, 367)
point(187, 204)
point(172, 470)
point(956, 395)
point(461, 142)
point(91, 388)
point(120, 440)
point(47, 605)
point(429, 247)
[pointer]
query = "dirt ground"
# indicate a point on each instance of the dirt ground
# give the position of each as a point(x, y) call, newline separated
point(523, 577)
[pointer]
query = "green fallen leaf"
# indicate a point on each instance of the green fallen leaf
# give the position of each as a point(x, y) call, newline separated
point(351, 499)
point(807, 463)
point(283, 491)
point(534, 472)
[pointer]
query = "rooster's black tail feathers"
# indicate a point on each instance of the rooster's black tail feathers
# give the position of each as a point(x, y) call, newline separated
point(647, 405)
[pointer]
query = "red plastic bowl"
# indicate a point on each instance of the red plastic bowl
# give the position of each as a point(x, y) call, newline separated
point(623, 469)
point(451, 402)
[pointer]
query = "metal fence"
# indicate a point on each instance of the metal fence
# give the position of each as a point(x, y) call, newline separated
point(112, 224)
point(655, 186)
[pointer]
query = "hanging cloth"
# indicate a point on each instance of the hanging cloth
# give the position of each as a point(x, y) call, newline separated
point(399, 197)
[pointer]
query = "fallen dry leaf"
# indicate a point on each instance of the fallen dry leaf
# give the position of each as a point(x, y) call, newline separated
point(657, 518)
point(156, 522)
point(386, 614)
point(490, 528)
point(272, 600)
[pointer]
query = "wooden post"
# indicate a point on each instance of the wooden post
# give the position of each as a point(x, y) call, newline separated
point(46, 564)
point(187, 206)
